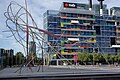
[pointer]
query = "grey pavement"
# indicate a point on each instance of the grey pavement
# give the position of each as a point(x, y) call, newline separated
point(61, 70)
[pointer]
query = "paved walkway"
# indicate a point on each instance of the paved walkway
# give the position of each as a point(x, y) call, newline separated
point(61, 70)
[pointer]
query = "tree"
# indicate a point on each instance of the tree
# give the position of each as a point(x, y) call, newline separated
point(101, 58)
point(117, 58)
point(112, 59)
point(19, 58)
point(84, 57)
point(14, 60)
point(96, 58)
point(108, 58)
point(5, 60)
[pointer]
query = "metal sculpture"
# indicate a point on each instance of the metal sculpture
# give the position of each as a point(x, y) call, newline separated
point(24, 29)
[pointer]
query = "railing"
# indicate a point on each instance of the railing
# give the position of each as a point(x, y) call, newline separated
point(117, 30)
point(79, 35)
point(91, 41)
point(118, 36)
point(69, 23)
point(78, 29)
point(70, 52)
point(84, 47)
point(82, 18)
point(70, 45)
point(118, 25)
point(118, 41)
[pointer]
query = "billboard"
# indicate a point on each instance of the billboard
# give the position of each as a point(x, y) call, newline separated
point(69, 5)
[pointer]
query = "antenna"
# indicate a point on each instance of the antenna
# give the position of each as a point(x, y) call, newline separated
point(101, 6)
point(90, 5)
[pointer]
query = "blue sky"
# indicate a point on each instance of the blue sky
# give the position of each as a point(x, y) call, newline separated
point(37, 8)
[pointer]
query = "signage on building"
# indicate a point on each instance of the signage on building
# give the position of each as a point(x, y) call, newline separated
point(70, 5)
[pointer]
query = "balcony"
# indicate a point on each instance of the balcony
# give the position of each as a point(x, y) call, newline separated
point(118, 36)
point(78, 29)
point(118, 41)
point(85, 18)
point(61, 25)
point(118, 31)
point(118, 25)
point(78, 35)
point(85, 47)
point(91, 41)
point(66, 23)
point(78, 18)
point(69, 23)
point(79, 47)
point(63, 17)
point(70, 53)
point(86, 24)
point(70, 45)
point(111, 20)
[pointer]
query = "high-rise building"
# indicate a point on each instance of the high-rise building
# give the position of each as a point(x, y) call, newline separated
point(81, 30)
point(115, 11)
point(1, 57)
point(32, 52)
point(32, 47)
point(6, 54)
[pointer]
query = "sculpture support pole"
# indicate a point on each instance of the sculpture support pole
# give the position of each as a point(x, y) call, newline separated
point(27, 31)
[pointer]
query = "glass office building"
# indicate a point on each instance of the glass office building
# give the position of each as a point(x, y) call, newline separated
point(81, 30)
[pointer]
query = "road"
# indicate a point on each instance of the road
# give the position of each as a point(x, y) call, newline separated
point(71, 72)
